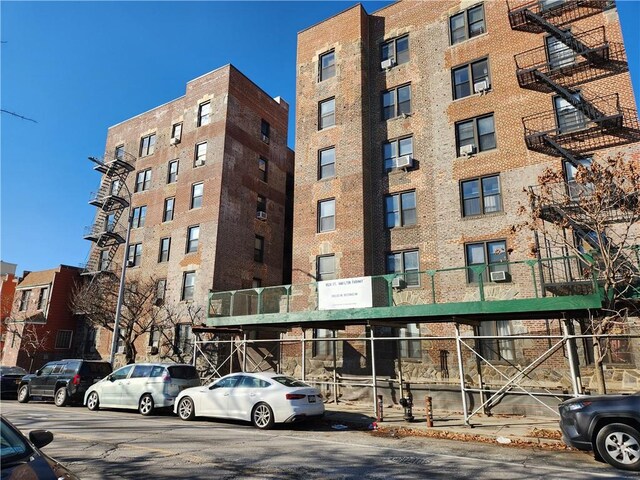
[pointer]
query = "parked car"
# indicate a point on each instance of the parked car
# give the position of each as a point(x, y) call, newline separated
point(21, 458)
point(142, 386)
point(607, 424)
point(63, 380)
point(261, 398)
point(10, 381)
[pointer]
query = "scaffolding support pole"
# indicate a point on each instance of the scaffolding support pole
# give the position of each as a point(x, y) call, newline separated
point(335, 367)
point(302, 341)
point(486, 410)
point(244, 351)
point(572, 356)
point(373, 371)
point(463, 391)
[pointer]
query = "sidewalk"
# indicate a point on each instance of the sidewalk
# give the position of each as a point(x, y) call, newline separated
point(511, 430)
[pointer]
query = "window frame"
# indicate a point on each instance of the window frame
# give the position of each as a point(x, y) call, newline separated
point(471, 78)
point(330, 117)
point(397, 142)
point(322, 167)
point(398, 111)
point(258, 249)
point(493, 348)
point(410, 349)
point(331, 68)
point(43, 297)
point(476, 134)
point(265, 130)
point(143, 180)
point(200, 158)
point(192, 240)
point(62, 335)
point(103, 260)
point(165, 210)
point(401, 210)
point(161, 288)
point(323, 349)
point(204, 118)
point(172, 177)
point(148, 145)
point(25, 297)
point(481, 196)
point(491, 267)
point(321, 203)
point(190, 274)
point(134, 255)
point(176, 131)
point(468, 34)
point(263, 169)
point(164, 253)
point(406, 275)
point(138, 216)
point(394, 54)
point(327, 275)
point(196, 200)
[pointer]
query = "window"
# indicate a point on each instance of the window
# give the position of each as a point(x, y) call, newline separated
point(494, 348)
point(119, 152)
point(407, 263)
point(204, 114)
point(258, 249)
point(396, 148)
point(103, 262)
point(43, 298)
point(176, 132)
point(568, 117)
point(139, 215)
point(467, 24)
point(481, 196)
point(558, 54)
point(327, 163)
point(172, 171)
point(265, 131)
point(196, 195)
point(135, 255)
point(263, 169)
point(147, 145)
point(261, 205)
point(326, 216)
point(141, 371)
point(24, 300)
point(188, 285)
point(143, 180)
point(323, 348)
point(411, 349)
point(577, 190)
point(63, 339)
point(327, 65)
point(114, 188)
point(110, 222)
point(161, 287)
point(471, 78)
point(90, 340)
point(123, 372)
point(193, 236)
point(400, 209)
point(167, 216)
point(546, 5)
point(396, 50)
point(165, 246)
point(327, 114)
point(396, 102)
point(326, 268)
point(201, 154)
point(256, 283)
point(493, 254)
point(184, 338)
point(154, 337)
point(479, 133)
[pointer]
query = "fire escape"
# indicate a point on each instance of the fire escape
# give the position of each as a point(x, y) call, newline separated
point(580, 122)
point(111, 200)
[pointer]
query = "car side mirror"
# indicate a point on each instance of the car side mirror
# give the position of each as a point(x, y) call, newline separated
point(213, 387)
point(40, 438)
point(110, 378)
point(38, 373)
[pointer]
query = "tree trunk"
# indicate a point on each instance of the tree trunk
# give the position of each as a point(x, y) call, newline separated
point(598, 366)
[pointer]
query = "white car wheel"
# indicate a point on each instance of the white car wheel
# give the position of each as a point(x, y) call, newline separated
point(93, 402)
point(186, 410)
point(262, 416)
point(146, 405)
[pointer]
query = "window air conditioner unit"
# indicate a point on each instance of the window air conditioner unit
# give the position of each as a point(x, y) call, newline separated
point(153, 350)
point(499, 276)
point(174, 141)
point(404, 161)
point(265, 139)
point(467, 150)
point(480, 87)
point(398, 282)
point(387, 64)
point(199, 162)
point(261, 215)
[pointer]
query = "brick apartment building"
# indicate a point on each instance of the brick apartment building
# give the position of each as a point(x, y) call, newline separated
point(208, 180)
point(411, 153)
point(41, 326)
point(8, 282)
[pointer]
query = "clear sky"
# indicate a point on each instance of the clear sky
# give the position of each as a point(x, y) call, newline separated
point(79, 67)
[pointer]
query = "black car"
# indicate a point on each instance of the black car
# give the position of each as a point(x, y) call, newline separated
point(607, 424)
point(10, 381)
point(21, 458)
point(63, 380)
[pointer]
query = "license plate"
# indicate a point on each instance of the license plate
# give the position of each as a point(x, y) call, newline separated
point(312, 399)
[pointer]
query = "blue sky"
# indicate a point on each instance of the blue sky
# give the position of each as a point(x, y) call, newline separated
point(80, 67)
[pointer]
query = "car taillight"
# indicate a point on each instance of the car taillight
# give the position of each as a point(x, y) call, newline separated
point(295, 396)
point(76, 379)
point(166, 377)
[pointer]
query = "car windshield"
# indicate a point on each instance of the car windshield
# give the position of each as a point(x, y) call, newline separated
point(290, 382)
point(184, 372)
point(12, 371)
point(14, 447)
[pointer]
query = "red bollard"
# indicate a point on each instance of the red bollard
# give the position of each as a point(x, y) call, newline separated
point(429, 407)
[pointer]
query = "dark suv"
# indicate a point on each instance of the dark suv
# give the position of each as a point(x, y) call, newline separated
point(63, 380)
point(607, 424)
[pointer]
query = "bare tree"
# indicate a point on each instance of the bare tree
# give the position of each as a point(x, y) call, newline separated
point(596, 217)
point(33, 338)
point(173, 345)
point(97, 300)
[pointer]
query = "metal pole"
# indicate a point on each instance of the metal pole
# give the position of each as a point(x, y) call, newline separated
point(373, 371)
point(303, 352)
point(116, 323)
point(461, 370)
point(476, 332)
point(244, 351)
point(571, 355)
point(335, 367)
point(400, 368)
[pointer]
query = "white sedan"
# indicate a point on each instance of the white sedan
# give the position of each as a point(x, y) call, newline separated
point(261, 398)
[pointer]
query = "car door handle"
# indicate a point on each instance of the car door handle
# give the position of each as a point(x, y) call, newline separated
point(226, 394)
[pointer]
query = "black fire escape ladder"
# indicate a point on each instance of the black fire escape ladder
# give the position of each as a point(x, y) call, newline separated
point(568, 156)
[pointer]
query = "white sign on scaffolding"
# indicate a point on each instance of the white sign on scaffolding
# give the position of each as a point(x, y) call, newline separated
point(345, 293)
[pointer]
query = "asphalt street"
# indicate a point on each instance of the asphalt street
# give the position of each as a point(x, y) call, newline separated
point(111, 444)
